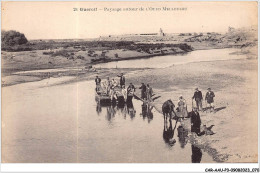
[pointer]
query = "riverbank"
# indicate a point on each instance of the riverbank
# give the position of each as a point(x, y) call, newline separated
point(80, 56)
point(13, 73)
point(235, 121)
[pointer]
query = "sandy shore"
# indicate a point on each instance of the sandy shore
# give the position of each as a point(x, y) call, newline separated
point(235, 85)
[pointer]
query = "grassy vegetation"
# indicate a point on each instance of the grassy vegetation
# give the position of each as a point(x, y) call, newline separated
point(91, 46)
point(81, 45)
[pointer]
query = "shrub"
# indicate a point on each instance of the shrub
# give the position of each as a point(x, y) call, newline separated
point(91, 51)
point(63, 53)
point(185, 47)
point(48, 53)
point(80, 57)
point(11, 38)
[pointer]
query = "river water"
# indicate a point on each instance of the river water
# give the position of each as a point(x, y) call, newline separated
point(169, 60)
point(43, 122)
point(64, 123)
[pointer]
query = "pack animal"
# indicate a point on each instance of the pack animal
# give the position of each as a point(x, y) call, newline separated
point(168, 109)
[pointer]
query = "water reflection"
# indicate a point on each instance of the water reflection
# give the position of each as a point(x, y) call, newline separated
point(98, 109)
point(144, 110)
point(196, 154)
point(183, 136)
point(130, 109)
point(112, 109)
point(124, 110)
point(147, 112)
point(168, 133)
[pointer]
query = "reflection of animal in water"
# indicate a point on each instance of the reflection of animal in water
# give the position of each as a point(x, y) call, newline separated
point(207, 130)
point(182, 134)
point(168, 108)
point(168, 132)
point(196, 154)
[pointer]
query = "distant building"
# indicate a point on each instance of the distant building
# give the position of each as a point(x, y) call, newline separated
point(230, 29)
point(149, 34)
point(161, 32)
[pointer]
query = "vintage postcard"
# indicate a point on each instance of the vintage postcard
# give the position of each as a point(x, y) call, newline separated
point(129, 82)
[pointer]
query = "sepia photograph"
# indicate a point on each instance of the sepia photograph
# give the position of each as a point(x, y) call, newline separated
point(129, 82)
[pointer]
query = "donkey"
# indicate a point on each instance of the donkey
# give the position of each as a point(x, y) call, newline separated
point(168, 108)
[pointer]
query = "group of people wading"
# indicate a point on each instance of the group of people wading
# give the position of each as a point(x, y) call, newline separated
point(112, 86)
point(182, 112)
point(146, 92)
point(209, 99)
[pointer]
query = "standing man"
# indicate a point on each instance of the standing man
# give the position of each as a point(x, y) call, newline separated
point(198, 98)
point(143, 91)
point(210, 99)
point(122, 79)
point(98, 82)
point(149, 92)
point(195, 121)
point(130, 92)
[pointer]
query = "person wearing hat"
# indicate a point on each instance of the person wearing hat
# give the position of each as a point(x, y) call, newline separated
point(195, 121)
point(182, 107)
point(198, 98)
point(130, 92)
point(122, 79)
point(98, 81)
point(210, 99)
point(143, 91)
point(149, 92)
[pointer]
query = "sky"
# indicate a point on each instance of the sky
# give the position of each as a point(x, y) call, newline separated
point(58, 20)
